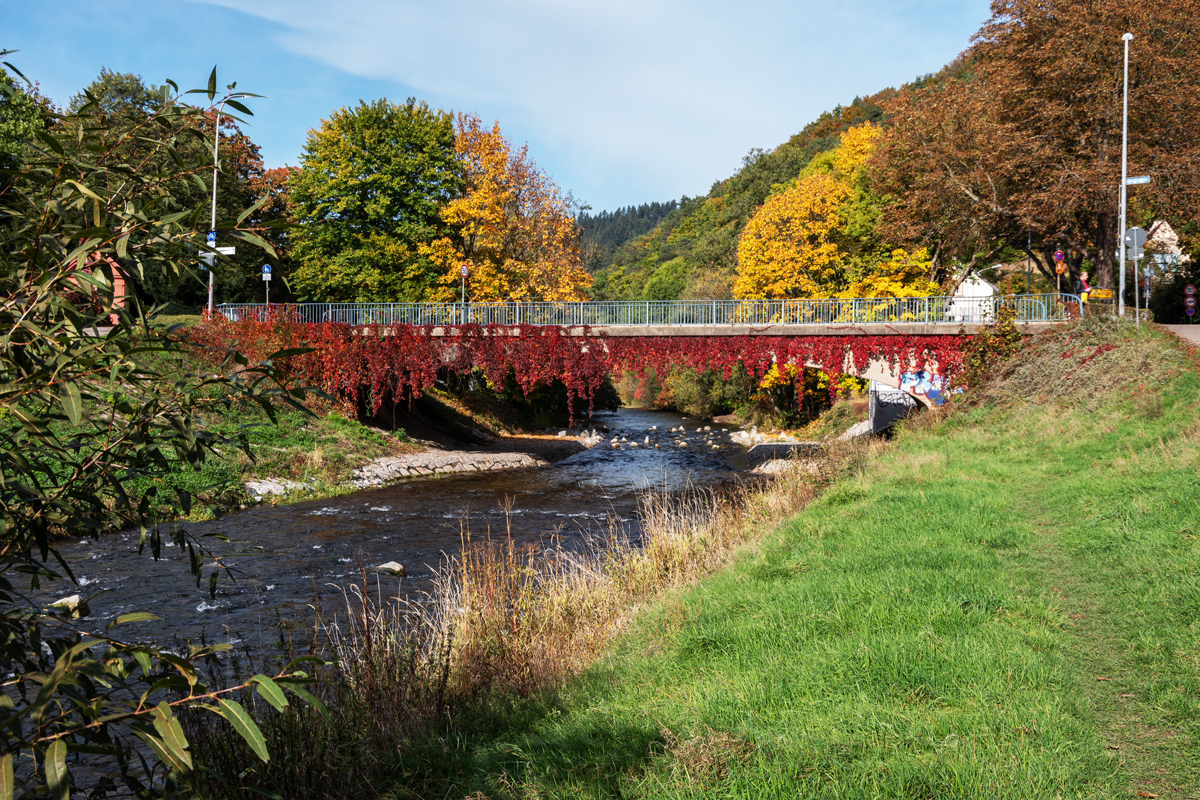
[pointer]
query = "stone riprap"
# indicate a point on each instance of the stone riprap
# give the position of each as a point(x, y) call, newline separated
point(261, 489)
point(385, 470)
point(444, 462)
point(439, 462)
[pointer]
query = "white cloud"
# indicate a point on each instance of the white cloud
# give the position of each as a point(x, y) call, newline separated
point(656, 93)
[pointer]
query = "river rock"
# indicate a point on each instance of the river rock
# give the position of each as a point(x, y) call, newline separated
point(74, 607)
point(391, 568)
point(271, 486)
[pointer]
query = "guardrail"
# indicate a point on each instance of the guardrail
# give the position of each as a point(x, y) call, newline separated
point(894, 311)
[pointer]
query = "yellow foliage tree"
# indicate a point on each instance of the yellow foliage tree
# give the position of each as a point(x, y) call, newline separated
point(787, 249)
point(513, 230)
point(903, 275)
point(853, 150)
point(815, 238)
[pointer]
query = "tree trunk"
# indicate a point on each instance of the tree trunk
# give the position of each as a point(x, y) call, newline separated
point(1106, 246)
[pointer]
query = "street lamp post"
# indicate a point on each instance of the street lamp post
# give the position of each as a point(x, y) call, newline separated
point(1124, 174)
point(213, 220)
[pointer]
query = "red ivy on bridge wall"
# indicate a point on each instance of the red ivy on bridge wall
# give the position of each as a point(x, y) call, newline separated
point(378, 363)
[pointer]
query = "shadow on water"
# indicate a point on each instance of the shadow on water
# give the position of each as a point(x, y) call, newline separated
point(312, 550)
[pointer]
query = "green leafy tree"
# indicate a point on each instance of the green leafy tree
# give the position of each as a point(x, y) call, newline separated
point(19, 121)
point(84, 418)
point(127, 106)
point(372, 182)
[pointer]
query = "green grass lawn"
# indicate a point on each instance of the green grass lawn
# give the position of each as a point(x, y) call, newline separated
point(1006, 603)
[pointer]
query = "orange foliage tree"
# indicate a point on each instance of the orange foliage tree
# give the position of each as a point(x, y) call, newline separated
point(510, 226)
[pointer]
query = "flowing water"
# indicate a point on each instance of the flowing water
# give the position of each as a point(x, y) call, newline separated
point(312, 551)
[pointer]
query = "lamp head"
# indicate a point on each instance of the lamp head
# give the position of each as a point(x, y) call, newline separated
point(1127, 37)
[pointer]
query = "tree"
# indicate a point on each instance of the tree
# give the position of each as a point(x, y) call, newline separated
point(19, 122)
point(117, 94)
point(816, 237)
point(788, 249)
point(1021, 138)
point(510, 226)
point(127, 107)
point(83, 418)
point(367, 198)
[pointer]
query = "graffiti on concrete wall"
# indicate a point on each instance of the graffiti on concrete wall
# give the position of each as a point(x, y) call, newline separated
point(927, 384)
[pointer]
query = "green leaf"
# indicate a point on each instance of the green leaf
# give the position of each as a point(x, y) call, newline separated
point(291, 351)
point(242, 217)
point(270, 692)
point(71, 402)
point(212, 84)
point(56, 770)
point(311, 699)
point(171, 734)
point(240, 107)
point(232, 711)
point(51, 142)
point(125, 619)
point(6, 777)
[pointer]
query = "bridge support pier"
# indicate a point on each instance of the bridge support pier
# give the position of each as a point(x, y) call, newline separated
point(887, 405)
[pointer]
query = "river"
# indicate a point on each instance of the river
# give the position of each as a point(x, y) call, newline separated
point(312, 551)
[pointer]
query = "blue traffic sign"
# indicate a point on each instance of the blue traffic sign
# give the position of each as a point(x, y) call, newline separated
point(266, 269)
point(1191, 311)
point(212, 236)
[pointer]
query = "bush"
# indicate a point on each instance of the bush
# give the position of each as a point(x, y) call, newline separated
point(85, 418)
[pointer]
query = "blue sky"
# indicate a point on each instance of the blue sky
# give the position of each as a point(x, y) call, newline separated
point(620, 101)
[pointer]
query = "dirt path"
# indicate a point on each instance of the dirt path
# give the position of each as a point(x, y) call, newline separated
point(1189, 333)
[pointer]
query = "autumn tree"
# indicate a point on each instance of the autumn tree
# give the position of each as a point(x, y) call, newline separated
point(368, 198)
point(816, 237)
point(510, 226)
point(787, 249)
point(1020, 140)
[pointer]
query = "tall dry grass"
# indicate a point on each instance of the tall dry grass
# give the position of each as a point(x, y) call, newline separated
point(503, 620)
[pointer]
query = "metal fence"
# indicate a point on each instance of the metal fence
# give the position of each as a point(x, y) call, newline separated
point(893, 311)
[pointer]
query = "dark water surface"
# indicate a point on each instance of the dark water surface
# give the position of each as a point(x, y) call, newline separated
point(313, 550)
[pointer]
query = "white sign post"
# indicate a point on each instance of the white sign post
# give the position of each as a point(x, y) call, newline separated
point(267, 282)
point(464, 270)
point(1135, 238)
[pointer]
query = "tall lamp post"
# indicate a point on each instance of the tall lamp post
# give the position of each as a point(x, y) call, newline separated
point(213, 220)
point(1124, 174)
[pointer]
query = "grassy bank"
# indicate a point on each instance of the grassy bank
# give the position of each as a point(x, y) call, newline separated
point(1004, 604)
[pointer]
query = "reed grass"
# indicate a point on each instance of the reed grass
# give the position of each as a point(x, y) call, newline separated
point(504, 623)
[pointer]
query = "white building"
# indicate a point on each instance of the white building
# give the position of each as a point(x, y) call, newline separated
point(972, 301)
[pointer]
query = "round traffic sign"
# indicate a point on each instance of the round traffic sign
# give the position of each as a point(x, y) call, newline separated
point(212, 236)
point(1191, 311)
point(1135, 237)
point(266, 269)
point(1060, 268)
point(465, 270)
point(1190, 302)
point(1189, 290)
point(1059, 256)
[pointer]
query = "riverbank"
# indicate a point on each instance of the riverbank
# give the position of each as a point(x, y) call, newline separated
point(1004, 603)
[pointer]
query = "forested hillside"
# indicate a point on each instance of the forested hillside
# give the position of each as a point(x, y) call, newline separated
point(604, 233)
point(691, 254)
point(1010, 153)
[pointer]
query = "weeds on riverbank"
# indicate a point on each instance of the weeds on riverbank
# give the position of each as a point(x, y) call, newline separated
point(1003, 605)
point(504, 622)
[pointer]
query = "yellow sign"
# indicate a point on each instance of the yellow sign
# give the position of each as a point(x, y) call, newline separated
point(1060, 267)
point(1100, 294)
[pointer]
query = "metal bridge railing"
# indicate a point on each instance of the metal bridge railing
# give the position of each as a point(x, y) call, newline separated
point(672, 313)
